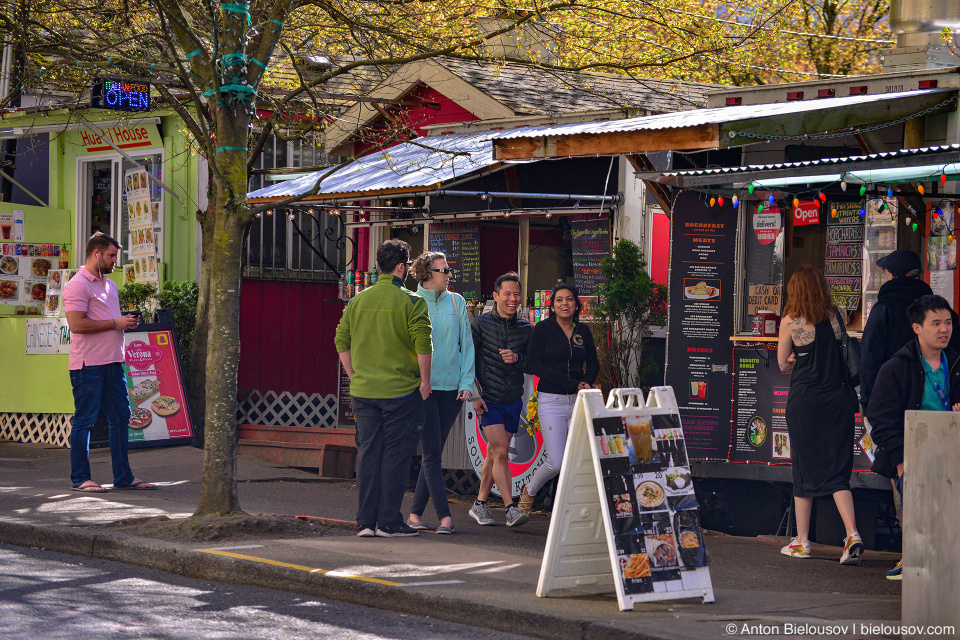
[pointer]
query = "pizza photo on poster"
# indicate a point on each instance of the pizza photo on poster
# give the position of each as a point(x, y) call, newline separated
point(158, 405)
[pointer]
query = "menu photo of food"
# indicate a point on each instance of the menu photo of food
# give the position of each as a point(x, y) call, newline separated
point(662, 548)
point(39, 267)
point(53, 306)
point(634, 563)
point(9, 265)
point(689, 535)
point(622, 502)
point(55, 280)
point(678, 480)
point(34, 293)
point(706, 289)
point(651, 494)
point(781, 445)
point(129, 274)
point(10, 290)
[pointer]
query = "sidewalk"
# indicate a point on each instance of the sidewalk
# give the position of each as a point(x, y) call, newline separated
point(484, 576)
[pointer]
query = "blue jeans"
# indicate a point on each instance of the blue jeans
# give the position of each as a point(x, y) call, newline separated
point(94, 388)
point(387, 434)
point(442, 409)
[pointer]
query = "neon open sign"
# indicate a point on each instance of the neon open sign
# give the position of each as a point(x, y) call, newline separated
point(121, 95)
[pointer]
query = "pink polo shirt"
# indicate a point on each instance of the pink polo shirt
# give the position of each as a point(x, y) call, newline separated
point(99, 298)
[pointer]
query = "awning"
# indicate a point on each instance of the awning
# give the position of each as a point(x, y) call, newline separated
point(718, 127)
point(425, 163)
point(904, 165)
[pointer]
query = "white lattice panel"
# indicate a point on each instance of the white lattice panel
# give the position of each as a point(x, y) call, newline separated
point(47, 428)
point(268, 408)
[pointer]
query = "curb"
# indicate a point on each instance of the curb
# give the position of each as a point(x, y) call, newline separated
point(177, 559)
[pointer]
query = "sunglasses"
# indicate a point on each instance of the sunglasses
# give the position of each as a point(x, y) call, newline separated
point(444, 271)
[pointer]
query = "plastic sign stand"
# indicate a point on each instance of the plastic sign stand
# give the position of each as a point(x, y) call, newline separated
point(625, 516)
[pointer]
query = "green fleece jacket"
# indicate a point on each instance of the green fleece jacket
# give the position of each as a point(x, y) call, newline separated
point(384, 327)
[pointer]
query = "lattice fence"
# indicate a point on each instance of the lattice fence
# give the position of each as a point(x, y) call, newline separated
point(268, 408)
point(47, 428)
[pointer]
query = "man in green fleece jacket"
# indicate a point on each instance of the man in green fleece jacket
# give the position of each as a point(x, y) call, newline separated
point(385, 346)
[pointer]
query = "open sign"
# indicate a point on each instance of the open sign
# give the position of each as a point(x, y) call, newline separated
point(806, 212)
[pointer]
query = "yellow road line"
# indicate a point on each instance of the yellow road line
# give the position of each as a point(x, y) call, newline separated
point(277, 563)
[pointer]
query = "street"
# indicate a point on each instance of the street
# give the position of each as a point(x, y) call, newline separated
point(46, 595)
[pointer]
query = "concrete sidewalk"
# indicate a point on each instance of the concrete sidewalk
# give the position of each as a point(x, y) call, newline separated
point(484, 576)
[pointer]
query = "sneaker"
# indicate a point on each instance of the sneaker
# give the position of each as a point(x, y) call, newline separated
point(852, 548)
point(897, 572)
point(515, 517)
point(417, 525)
point(400, 531)
point(525, 503)
point(797, 549)
point(364, 532)
point(481, 514)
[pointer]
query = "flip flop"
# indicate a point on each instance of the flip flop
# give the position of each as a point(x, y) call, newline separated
point(139, 485)
point(91, 488)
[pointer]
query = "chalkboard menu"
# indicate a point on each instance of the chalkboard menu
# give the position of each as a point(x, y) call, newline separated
point(591, 244)
point(843, 267)
point(460, 242)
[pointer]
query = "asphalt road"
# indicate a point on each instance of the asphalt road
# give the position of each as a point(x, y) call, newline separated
point(47, 596)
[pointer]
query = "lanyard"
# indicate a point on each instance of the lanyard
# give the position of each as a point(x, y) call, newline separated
point(941, 391)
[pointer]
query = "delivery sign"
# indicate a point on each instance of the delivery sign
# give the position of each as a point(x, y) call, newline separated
point(806, 212)
point(767, 225)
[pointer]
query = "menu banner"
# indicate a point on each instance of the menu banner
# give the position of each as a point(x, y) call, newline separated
point(460, 242)
point(591, 244)
point(649, 509)
point(701, 312)
point(142, 246)
point(759, 410)
point(155, 387)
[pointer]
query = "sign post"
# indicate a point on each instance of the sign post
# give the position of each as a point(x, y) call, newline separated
point(625, 514)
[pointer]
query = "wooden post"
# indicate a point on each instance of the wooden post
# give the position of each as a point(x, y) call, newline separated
point(523, 257)
point(931, 511)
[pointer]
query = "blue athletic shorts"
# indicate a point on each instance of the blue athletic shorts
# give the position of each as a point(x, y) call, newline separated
point(506, 414)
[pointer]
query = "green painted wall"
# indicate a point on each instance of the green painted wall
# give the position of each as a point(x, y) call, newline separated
point(31, 384)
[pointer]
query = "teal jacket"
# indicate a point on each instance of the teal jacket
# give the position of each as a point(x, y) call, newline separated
point(384, 327)
point(452, 368)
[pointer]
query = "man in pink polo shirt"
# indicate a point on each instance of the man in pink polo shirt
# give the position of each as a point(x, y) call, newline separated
point(92, 305)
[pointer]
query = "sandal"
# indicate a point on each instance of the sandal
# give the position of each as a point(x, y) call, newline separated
point(93, 487)
point(525, 504)
point(137, 485)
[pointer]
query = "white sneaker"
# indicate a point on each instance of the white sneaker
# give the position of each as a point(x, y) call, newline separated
point(852, 548)
point(797, 549)
point(515, 517)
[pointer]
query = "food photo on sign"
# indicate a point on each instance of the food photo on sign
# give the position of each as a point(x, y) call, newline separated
point(154, 388)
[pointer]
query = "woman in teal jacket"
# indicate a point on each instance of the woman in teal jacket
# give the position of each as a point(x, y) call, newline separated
point(451, 378)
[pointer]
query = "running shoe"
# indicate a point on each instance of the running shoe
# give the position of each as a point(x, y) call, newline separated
point(515, 517)
point(897, 572)
point(797, 549)
point(481, 514)
point(852, 548)
point(401, 530)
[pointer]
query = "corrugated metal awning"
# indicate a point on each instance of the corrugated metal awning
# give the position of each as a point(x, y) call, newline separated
point(425, 163)
point(717, 127)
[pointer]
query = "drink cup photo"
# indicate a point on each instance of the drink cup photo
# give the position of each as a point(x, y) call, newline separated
point(694, 386)
point(702, 389)
point(7, 228)
point(641, 436)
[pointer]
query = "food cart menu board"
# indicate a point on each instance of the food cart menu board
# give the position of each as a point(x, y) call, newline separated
point(591, 244)
point(650, 511)
point(23, 272)
point(843, 267)
point(460, 242)
point(345, 417)
point(702, 283)
point(759, 410)
point(158, 403)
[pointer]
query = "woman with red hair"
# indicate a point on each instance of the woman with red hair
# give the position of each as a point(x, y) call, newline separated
point(820, 408)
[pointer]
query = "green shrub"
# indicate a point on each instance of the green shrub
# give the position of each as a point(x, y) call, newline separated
point(179, 297)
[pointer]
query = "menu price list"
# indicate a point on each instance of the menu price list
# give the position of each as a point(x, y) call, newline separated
point(760, 402)
point(649, 491)
point(703, 251)
point(590, 245)
point(460, 242)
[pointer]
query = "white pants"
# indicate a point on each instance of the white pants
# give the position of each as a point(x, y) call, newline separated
point(554, 412)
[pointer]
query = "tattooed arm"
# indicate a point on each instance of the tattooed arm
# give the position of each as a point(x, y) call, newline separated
point(785, 356)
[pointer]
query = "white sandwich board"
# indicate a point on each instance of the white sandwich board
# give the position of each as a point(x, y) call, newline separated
point(625, 515)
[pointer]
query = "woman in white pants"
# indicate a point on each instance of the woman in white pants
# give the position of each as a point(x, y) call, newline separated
point(562, 354)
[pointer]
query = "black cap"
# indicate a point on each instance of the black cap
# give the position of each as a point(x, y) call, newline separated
point(900, 263)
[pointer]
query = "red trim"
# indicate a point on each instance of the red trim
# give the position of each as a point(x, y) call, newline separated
point(128, 145)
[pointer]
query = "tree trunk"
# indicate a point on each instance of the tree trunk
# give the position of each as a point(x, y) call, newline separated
point(218, 494)
point(197, 376)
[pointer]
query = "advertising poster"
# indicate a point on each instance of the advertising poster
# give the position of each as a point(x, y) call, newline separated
point(142, 245)
point(700, 324)
point(159, 410)
point(648, 488)
point(759, 410)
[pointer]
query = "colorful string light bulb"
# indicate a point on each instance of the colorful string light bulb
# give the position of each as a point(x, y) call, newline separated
point(735, 201)
point(863, 189)
point(750, 189)
point(713, 202)
point(920, 188)
point(889, 192)
point(720, 201)
point(796, 202)
point(771, 199)
point(760, 208)
point(943, 178)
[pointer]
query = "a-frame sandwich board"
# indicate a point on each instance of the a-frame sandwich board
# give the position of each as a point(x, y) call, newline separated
point(621, 522)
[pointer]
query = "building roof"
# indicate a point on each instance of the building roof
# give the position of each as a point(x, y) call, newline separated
point(404, 168)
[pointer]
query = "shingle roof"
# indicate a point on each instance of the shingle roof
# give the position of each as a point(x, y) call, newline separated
point(536, 91)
